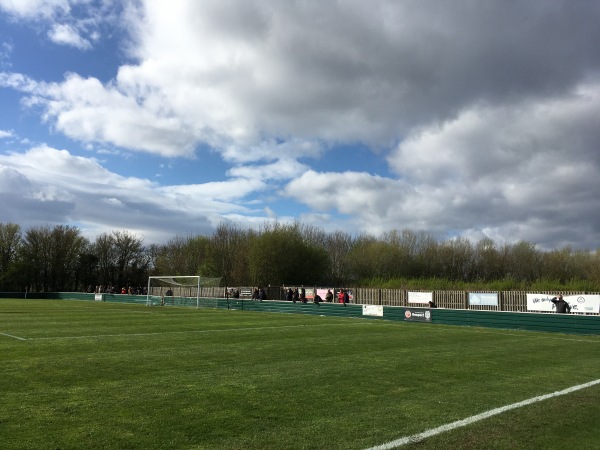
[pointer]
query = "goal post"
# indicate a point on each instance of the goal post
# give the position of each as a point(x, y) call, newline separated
point(180, 290)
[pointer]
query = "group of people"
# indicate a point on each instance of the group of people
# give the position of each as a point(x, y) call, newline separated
point(299, 295)
point(259, 294)
point(110, 289)
point(233, 293)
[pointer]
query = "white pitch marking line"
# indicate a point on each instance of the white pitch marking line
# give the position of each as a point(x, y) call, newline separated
point(181, 332)
point(469, 420)
point(13, 336)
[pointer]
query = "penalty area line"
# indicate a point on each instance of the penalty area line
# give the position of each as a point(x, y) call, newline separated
point(13, 336)
point(469, 420)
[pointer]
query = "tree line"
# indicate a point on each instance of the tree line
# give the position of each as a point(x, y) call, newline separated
point(60, 258)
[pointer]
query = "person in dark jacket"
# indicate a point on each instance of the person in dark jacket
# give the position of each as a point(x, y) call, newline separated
point(262, 294)
point(329, 296)
point(560, 305)
point(303, 295)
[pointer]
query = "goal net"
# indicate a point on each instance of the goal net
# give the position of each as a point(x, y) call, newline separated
point(177, 290)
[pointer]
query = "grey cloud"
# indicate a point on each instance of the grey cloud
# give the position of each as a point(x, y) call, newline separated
point(48, 186)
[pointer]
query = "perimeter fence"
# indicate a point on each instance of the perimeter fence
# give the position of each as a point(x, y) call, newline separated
point(509, 301)
point(512, 301)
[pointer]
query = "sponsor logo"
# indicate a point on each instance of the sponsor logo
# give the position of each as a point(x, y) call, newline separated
point(418, 315)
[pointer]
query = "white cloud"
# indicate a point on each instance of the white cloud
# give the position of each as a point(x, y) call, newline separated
point(74, 23)
point(6, 134)
point(366, 73)
point(6, 50)
point(36, 8)
point(65, 34)
point(234, 75)
point(87, 111)
point(374, 202)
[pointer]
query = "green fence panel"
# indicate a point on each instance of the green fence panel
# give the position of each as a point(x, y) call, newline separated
point(549, 322)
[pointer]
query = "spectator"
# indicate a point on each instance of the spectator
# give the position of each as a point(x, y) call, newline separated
point(432, 304)
point(169, 293)
point(317, 299)
point(296, 295)
point(329, 296)
point(289, 296)
point(346, 297)
point(303, 295)
point(561, 306)
point(262, 295)
point(341, 296)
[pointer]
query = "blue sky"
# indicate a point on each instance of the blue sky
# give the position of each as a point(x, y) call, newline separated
point(163, 118)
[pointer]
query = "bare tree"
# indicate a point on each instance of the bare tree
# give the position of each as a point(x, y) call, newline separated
point(10, 241)
point(338, 246)
point(122, 259)
point(52, 256)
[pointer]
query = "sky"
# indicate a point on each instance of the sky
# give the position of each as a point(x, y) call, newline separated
point(471, 119)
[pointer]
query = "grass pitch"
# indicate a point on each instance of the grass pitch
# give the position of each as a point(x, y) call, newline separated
point(90, 375)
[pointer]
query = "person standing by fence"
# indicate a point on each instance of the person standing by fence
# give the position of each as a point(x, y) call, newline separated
point(561, 306)
point(329, 296)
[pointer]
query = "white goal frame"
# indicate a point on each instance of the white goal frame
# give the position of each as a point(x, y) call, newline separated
point(170, 280)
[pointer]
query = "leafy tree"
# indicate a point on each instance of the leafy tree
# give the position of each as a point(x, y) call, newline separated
point(592, 271)
point(487, 263)
point(279, 255)
point(229, 254)
point(456, 258)
point(524, 262)
point(183, 256)
point(367, 257)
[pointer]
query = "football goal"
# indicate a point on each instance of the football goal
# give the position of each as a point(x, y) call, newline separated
point(178, 290)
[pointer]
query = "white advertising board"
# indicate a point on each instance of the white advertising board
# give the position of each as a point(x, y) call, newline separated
point(579, 303)
point(420, 297)
point(483, 298)
point(372, 310)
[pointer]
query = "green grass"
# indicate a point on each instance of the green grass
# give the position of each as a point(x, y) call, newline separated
point(117, 376)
